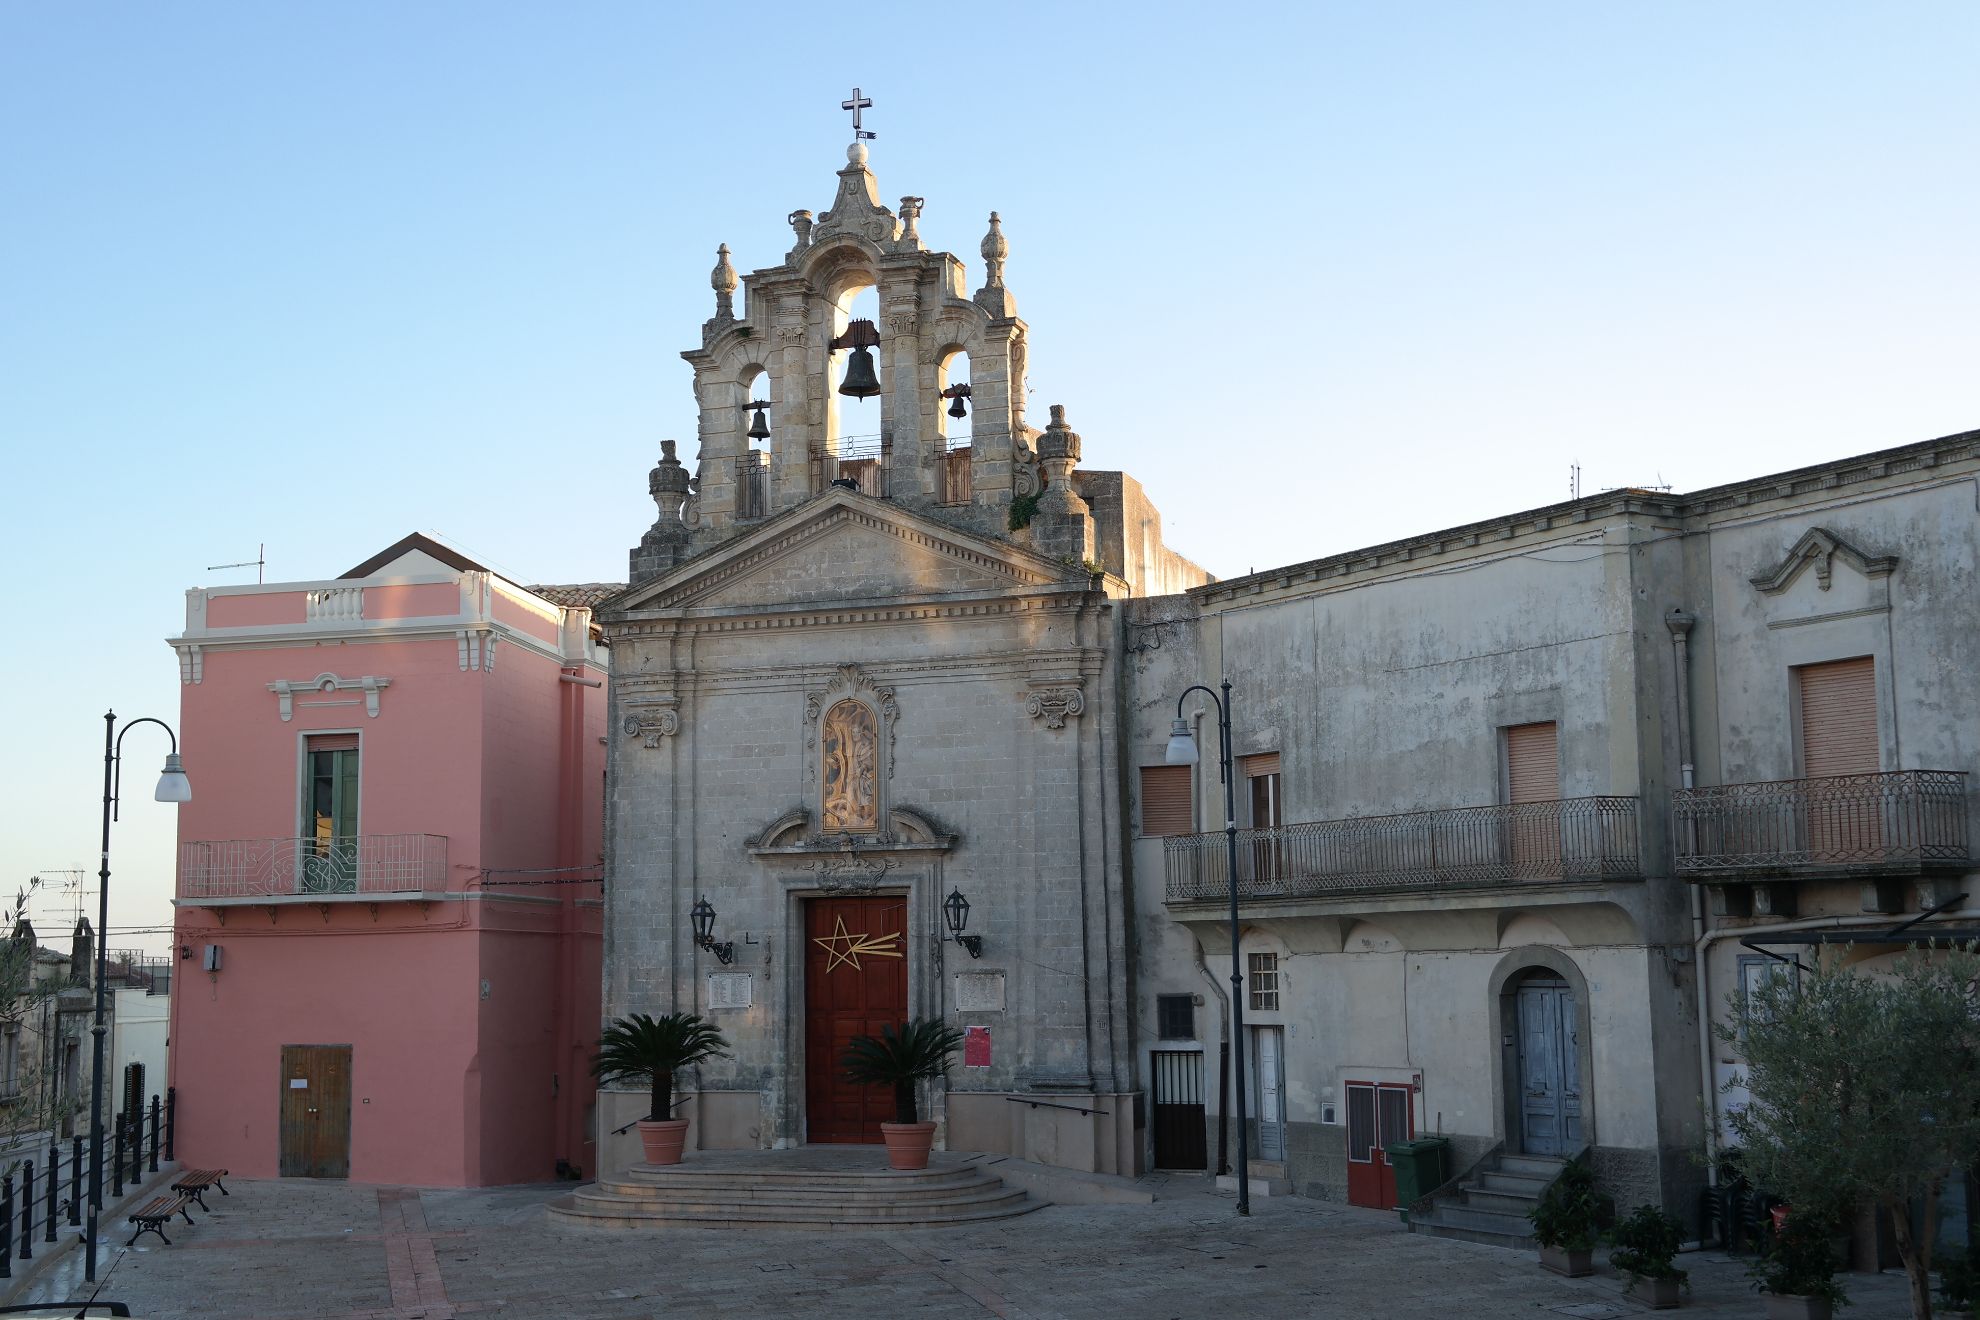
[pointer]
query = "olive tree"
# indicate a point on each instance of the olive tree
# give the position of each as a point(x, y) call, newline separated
point(1863, 1087)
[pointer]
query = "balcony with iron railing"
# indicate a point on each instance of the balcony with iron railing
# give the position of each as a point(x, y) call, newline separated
point(368, 867)
point(1904, 822)
point(1528, 843)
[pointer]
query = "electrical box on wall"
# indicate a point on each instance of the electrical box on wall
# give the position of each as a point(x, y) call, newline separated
point(212, 963)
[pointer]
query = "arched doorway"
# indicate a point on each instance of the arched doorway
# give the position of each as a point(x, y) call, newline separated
point(1545, 1063)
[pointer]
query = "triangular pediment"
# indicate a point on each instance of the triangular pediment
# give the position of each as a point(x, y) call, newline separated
point(847, 548)
point(1819, 549)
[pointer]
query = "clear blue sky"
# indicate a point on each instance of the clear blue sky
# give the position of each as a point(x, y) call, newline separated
point(1320, 275)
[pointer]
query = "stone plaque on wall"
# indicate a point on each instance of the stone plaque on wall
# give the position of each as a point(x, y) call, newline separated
point(729, 989)
point(979, 992)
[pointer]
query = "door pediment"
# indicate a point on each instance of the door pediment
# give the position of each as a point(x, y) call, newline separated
point(845, 547)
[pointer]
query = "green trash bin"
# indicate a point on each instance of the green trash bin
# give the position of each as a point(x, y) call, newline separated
point(1420, 1169)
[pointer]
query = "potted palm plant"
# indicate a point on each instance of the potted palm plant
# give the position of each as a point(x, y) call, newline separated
point(1568, 1221)
point(1645, 1245)
point(920, 1049)
point(1797, 1272)
point(638, 1048)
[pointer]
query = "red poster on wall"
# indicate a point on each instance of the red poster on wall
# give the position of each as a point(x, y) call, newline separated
point(976, 1047)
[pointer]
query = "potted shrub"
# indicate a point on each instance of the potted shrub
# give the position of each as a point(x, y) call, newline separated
point(920, 1049)
point(1645, 1245)
point(646, 1049)
point(1797, 1271)
point(1568, 1221)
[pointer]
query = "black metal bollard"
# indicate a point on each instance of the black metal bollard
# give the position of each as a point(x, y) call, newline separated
point(7, 1226)
point(171, 1103)
point(136, 1146)
point(75, 1182)
point(54, 1189)
point(155, 1107)
point(116, 1159)
point(27, 1209)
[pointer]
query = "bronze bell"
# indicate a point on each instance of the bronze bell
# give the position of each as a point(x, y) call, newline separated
point(759, 426)
point(956, 409)
point(861, 381)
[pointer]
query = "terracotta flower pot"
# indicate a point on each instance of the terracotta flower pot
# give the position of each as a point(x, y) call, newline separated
point(1793, 1306)
point(1657, 1294)
point(1573, 1264)
point(908, 1144)
point(662, 1141)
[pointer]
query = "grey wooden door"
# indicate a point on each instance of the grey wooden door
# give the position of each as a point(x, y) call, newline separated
point(1269, 1101)
point(1549, 1069)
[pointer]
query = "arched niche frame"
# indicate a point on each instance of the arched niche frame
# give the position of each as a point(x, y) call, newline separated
point(850, 701)
point(1514, 967)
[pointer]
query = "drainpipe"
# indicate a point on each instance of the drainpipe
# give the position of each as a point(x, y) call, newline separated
point(1223, 1061)
point(1680, 622)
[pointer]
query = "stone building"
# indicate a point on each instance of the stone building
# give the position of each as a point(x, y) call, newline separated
point(856, 676)
point(853, 678)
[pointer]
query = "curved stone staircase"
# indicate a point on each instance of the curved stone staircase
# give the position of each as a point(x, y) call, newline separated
point(847, 1188)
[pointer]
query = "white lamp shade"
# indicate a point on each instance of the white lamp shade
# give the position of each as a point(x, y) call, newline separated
point(1182, 747)
point(173, 786)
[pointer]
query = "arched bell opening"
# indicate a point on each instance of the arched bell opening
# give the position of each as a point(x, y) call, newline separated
point(855, 411)
point(953, 413)
point(757, 402)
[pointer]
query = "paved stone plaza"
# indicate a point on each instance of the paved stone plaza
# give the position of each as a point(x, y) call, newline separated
point(297, 1248)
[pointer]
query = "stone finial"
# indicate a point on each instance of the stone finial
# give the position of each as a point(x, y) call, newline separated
point(995, 248)
point(801, 222)
point(856, 154)
point(664, 543)
point(911, 212)
point(1063, 525)
point(723, 280)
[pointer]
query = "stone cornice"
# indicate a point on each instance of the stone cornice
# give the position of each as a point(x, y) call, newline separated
point(1594, 510)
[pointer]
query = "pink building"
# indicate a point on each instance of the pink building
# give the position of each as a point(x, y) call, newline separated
point(388, 883)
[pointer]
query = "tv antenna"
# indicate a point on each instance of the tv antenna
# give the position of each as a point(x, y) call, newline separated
point(260, 561)
point(1574, 481)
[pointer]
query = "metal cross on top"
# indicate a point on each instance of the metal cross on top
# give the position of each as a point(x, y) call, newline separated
point(857, 104)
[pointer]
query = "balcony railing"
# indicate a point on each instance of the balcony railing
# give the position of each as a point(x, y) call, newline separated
point(1592, 838)
point(310, 867)
point(1902, 822)
point(753, 485)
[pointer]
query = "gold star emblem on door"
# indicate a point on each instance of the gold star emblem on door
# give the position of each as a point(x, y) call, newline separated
point(843, 947)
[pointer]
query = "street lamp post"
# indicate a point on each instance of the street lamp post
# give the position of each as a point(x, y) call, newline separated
point(173, 786)
point(1182, 751)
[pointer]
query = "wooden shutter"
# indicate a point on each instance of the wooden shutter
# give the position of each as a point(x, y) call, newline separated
point(1533, 767)
point(1254, 767)
point(1839, 718)
point(1165, 800)
point(333, 742)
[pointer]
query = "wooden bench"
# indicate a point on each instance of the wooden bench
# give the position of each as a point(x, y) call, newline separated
point(194, 1182)
point(153, 1215)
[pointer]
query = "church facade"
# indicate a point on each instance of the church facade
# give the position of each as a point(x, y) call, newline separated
point(860, 681)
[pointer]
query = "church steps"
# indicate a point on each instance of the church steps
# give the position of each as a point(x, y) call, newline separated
point(774, 1194)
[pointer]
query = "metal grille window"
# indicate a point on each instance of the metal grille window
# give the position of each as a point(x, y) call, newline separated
point(1264, 969)
point(1175, 1017)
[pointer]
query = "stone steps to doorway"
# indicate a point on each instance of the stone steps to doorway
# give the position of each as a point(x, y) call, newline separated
point(1492, 1204)
point(847, 1188)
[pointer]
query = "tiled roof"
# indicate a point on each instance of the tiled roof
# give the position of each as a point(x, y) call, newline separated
point(585, 595)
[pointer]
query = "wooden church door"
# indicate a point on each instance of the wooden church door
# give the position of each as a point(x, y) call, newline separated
point(855, 982)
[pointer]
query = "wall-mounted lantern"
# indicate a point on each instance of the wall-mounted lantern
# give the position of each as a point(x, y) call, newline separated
point(956, 909)
point(704, 933)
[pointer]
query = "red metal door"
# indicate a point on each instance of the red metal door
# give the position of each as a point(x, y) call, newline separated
point(855, 982)
point(1378, 1116)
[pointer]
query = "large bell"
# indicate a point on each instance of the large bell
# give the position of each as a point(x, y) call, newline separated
point(956, 409)
point(759, 426)
point(861, 381)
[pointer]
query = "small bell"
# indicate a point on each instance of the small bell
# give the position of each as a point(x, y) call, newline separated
point(957, 393)
point(861, 381)
point(956, 409)
point(759, 426)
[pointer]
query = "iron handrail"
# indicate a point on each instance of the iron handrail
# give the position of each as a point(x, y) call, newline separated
point(1898, 819)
